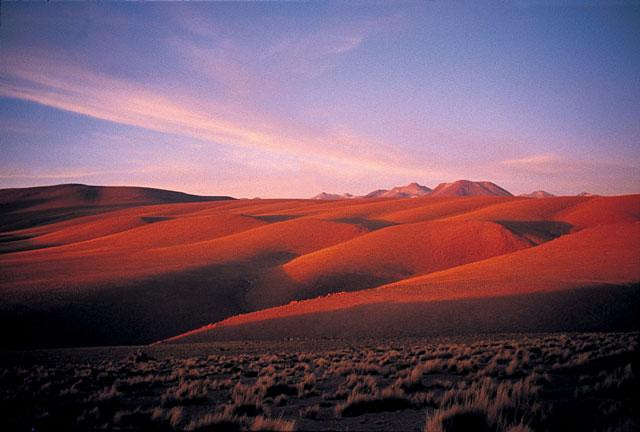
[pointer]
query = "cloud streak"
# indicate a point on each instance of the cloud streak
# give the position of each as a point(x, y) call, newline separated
point(531, 161)
point(543, 163)
point(56, 175)
point(96, 95)
point(79, 173)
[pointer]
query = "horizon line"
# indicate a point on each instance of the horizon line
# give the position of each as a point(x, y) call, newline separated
point(353, 196)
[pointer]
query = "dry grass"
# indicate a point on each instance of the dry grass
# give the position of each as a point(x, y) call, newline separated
point(274, 425)
point(216, 422)
point(487, 405)
point(364, 400)
point(549, 382)
point(186, 392)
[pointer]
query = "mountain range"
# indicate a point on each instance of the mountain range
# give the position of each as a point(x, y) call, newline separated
point(456, 188)
point(414, 190)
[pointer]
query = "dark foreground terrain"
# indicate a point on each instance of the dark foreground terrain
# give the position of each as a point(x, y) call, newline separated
point(555, 382)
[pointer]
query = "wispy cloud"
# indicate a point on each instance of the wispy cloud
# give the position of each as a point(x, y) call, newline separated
point(552, 163)
point(548, 163)
point(564, 175)
point(104, 97)
point(16, 174)
point(257, 66)
point(316, 46)
point(22, 173)
point(531, 161)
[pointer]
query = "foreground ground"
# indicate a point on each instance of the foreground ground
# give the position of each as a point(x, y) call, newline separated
point(499, 382)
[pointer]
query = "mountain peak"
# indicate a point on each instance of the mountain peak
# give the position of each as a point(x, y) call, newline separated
point(469, 188)
point(329, 196)
point(412, 190)
point(538, 194)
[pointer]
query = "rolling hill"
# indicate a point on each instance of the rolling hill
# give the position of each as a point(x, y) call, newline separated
point(134, 270)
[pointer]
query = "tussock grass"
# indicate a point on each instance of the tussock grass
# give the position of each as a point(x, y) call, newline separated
point(185, 392)
point(391, 398)
point(552, 382)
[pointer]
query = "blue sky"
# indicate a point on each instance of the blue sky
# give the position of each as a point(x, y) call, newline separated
point(290, 99)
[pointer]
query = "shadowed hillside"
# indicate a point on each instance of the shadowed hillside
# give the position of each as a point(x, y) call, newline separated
point(28, 207)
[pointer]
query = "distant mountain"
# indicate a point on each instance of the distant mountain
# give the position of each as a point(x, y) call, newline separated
point(376, 193)
point(80, 195)
point(469, 188)
point(538, 194)
point(330, 196)
point(414, 190)
point(411, 190)
point(27, 207)
point(587, 194)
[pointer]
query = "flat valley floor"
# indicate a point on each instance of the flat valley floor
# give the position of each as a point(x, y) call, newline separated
point(539, 382)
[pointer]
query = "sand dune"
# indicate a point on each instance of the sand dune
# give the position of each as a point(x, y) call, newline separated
point(137, 273)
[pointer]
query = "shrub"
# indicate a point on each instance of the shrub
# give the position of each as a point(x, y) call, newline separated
point(264, 424)
point(499, 406)
point(223, 421)
point(389, 399)
point(186, 392)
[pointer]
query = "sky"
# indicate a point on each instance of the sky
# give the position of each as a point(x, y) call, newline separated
point(293, 98)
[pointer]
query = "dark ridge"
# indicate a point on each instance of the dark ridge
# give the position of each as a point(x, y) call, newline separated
point(537, 231)
point(152, 219)
point(368, 224)
point(274, 218)
point(8, 238)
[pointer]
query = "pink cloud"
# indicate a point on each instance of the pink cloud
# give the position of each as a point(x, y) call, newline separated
point(93, 94)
